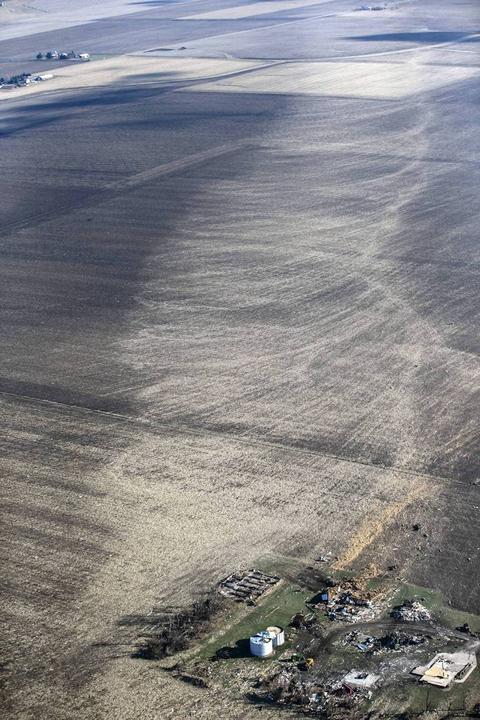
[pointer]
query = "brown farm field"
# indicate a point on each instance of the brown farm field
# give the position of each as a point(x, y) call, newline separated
point(239, 303)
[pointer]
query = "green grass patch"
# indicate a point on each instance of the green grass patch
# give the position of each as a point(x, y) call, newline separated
point(286, 566)
point(422, 698)
point(436, 603)
point(277, 608)
point(378, 582)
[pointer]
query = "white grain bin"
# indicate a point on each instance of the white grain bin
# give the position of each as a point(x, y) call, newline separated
point(261, 646)
point(278, 635)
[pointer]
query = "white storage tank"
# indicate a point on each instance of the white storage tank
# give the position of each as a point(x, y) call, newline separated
point(278, 635)
point(261, 645)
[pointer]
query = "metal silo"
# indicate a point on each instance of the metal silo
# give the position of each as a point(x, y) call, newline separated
point(261, 645)
point(278, 635)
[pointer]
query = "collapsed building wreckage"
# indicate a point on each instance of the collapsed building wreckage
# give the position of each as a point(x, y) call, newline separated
point(309, 668)
point(299, 683)
point(338, 693)
point(349, 601)
point(246, 586)
point(393, 641)
point(305, 681)
point(411, 611)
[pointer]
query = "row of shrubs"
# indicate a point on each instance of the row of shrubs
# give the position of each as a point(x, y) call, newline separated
point(175, 631)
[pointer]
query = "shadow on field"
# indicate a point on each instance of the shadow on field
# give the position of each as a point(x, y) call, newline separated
point(171, 630)
point(241, 649)
point(417, 37)
point(54, 110)
point(154, 3)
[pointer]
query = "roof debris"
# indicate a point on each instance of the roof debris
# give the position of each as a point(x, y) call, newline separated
point(411, 611)
point(393, 641)
point(349, 602)
point(446, 668)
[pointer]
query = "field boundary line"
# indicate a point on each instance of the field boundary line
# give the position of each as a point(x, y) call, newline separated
point(252, 441)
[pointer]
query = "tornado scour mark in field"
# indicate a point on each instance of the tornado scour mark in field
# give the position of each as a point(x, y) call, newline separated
point(235, 324)
point(122, 186)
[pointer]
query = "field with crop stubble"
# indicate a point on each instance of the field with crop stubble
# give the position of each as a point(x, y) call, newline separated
point(239, 316)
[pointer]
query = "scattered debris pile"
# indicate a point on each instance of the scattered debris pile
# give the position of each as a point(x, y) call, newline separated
point(360, 640)
point(290, 687)
point(411, 611)
point(299, 686)
point(399, 640)
point(247, 586)
point(311, 678)
point(302, 621)
point(394, 641)
point(349, 601)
